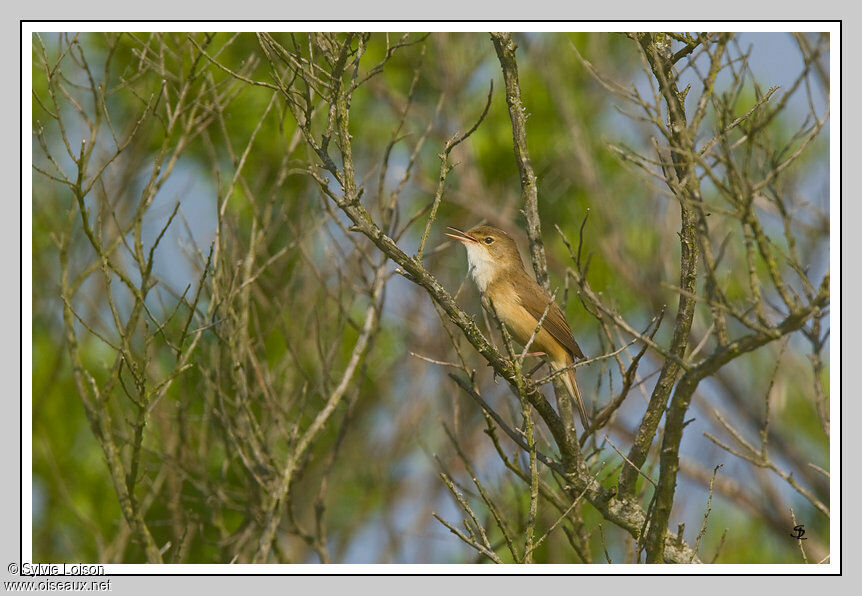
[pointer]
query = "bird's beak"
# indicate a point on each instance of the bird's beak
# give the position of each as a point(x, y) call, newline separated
point(461, 236)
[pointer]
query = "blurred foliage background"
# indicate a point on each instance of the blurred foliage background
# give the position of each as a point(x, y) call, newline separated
point(255, 294)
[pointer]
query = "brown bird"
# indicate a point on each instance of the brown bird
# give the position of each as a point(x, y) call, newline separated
point(520, 302)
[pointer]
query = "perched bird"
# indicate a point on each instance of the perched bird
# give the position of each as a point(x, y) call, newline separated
point(496, 267)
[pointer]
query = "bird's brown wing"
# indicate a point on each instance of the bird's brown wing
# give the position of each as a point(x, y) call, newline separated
point(535, 300)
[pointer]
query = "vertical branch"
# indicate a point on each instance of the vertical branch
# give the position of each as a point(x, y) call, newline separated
point(527, 415)
point(505, 49)
point(817, 343)
point(686, 187)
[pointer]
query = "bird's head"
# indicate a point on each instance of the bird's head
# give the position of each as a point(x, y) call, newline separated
point(490, 252)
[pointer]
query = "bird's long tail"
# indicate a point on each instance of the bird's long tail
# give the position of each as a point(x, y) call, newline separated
point(572, 386)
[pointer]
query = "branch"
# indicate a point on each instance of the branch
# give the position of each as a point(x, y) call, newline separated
point(505, 49)
point(687, 189)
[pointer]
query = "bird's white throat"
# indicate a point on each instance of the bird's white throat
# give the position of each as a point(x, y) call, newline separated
point(481, 265)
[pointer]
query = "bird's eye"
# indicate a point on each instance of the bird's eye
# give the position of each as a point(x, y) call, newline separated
point(489, 240)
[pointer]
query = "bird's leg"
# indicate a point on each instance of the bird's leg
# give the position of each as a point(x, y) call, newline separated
point(532, 371)
point(535, 368)
point(530, 374)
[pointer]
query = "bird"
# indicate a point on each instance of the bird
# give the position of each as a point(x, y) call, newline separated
point(498, 271)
